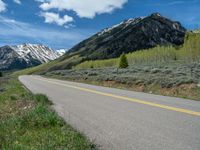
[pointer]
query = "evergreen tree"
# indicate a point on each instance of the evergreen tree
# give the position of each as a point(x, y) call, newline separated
point(1, 74)
point(123, 63)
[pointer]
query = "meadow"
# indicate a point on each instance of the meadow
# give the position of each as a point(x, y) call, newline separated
point(27, 121)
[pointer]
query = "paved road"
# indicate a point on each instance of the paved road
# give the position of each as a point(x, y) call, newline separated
point(123, 120)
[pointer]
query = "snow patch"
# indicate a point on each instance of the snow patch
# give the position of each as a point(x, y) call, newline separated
point(37, 52)
point(124, 24)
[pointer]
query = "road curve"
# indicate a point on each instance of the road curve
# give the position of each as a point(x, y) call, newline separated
point(123, 120)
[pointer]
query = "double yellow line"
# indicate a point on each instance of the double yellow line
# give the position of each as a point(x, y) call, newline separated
point(190, 112)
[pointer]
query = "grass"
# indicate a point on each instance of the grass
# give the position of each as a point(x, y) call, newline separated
point(61, 63)
point(189, 52)
point(28, 122)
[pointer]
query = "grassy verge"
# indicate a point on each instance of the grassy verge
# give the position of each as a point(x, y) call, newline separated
point(28, 122)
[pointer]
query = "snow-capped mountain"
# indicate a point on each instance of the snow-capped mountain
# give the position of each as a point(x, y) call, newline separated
point(25, 55)
point(33, 51)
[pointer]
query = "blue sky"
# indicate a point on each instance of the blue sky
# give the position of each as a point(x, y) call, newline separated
point(64, 23)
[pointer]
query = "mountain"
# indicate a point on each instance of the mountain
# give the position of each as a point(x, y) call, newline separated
point(128, 36)
point(25, 55)
point(131, 35)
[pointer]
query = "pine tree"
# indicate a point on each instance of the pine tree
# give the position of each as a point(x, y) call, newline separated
point(123, 63)
point(1, 74)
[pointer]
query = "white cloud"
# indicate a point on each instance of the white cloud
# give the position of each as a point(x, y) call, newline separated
point(84, 8)
point(2, 6)
point(17, 1)
point(14, 32)
point(42, 1)
point(55, 18)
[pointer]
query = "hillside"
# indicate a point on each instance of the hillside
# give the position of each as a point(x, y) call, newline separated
point(131, 35)
point(26, 55)
point(187, 53)
point(128, 36)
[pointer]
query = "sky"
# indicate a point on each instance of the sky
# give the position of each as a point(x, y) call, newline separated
point(63, 23)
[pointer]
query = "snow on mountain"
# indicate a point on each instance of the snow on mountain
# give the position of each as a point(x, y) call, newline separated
point(26, 55)
point(125, 23)
point(35, 51)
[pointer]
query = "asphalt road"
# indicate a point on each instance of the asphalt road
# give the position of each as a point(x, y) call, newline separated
point(123, 120)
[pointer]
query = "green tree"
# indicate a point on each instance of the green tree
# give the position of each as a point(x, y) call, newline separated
point(123, 63)
point(1, 74)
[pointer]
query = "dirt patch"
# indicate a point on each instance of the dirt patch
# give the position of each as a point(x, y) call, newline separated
point(18, 107)
point(189, 91)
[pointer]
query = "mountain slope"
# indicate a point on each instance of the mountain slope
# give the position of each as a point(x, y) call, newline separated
point(26, 55)
point(131, 35)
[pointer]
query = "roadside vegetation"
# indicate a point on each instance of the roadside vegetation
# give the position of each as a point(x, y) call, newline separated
point(28, 122)
point(174, 79)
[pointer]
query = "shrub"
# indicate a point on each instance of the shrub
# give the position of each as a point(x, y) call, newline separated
point(123, 63)
point(42, 99)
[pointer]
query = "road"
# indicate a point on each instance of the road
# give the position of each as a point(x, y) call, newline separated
point(123, 120)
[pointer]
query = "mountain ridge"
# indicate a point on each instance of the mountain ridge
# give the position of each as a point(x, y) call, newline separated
point(131, 35)
point(25, 55)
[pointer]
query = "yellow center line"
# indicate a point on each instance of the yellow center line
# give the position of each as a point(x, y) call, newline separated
point(186, 111)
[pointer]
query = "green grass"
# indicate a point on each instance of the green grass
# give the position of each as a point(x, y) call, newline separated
point(189, 52)
point(28, 122)
point(98, 64)
point(61, 63)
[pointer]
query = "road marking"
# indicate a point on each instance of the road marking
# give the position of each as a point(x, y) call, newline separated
point(186, 111)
